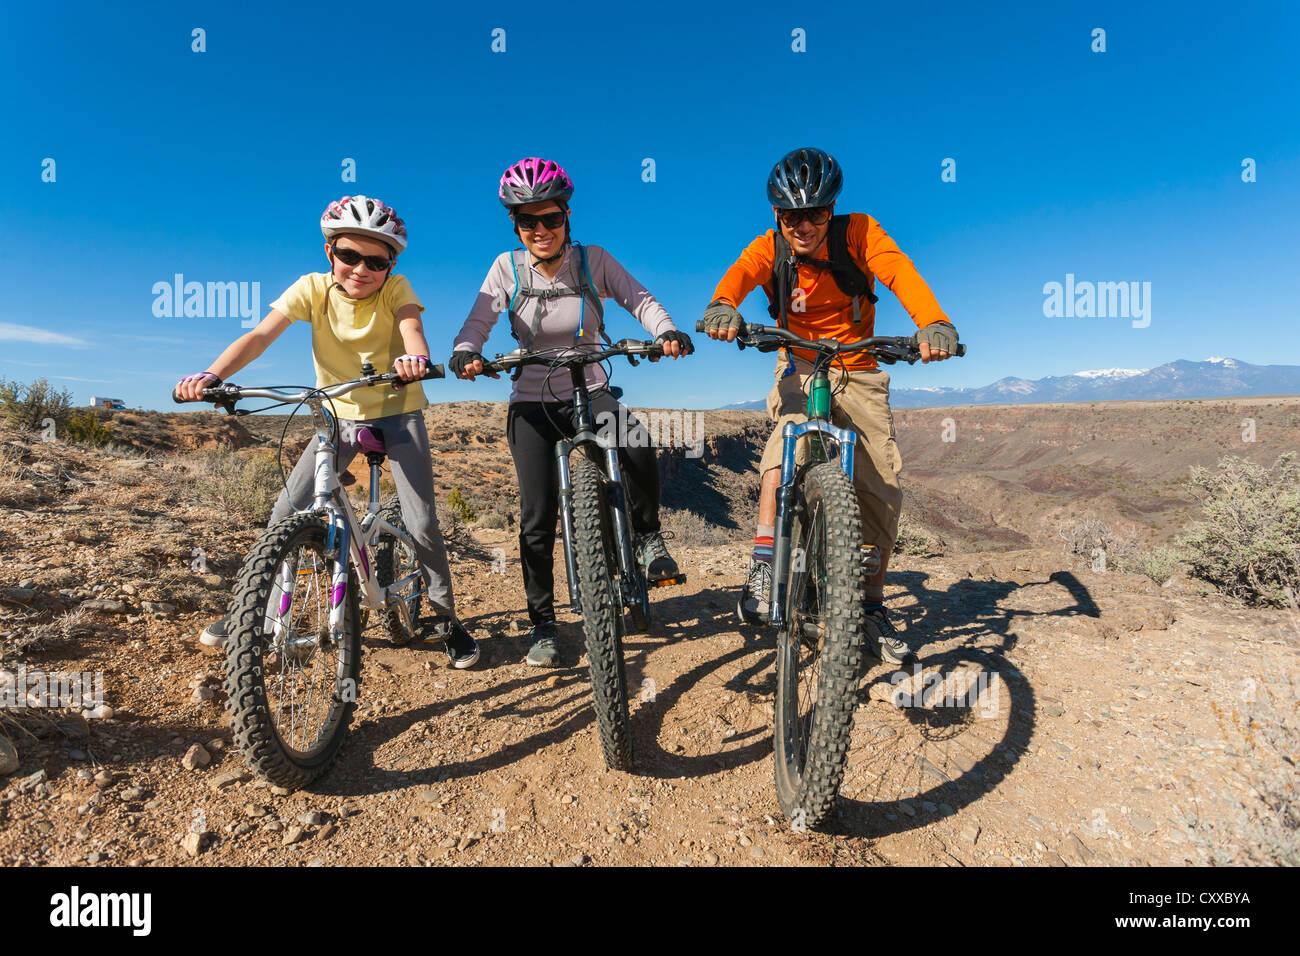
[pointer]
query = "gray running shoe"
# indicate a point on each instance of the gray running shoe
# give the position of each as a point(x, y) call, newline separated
point(654, 558)
point(753, 606)
point(883, 641)
point(544, 653)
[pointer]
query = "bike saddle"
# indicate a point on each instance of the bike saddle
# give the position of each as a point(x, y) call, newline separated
point(371, 440)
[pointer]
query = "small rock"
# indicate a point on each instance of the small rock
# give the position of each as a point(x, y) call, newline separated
point(1142, 823)
point(85, 774)
point(96, 857)
point(1052, 707)
point(275, 826)
point(254, 810)
point(281, 791)
point(230, 778)
point(447, 842)
point(108, 607)
point(196, 758)
point(313, 818)
point(1076, 850)
point(757, 852)
point(216, 744)
point(241, 828)
point(292, 835)
point(32, 781)
point(131, 794)
point(8, 757)
point(192, 843)
point(710, 859)
point(971, 834)
point(202, 694)
point(18, 595)
point(159, 607)
point(327, 831)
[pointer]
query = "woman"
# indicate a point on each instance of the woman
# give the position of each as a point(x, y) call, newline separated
point(553, 289)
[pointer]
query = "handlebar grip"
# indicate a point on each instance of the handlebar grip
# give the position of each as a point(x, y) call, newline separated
point(178, 400)
point(435, 371)
point(961, 349)
point(699, 326)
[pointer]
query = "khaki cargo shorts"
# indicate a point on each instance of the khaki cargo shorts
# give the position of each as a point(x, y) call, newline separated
point(863, 406)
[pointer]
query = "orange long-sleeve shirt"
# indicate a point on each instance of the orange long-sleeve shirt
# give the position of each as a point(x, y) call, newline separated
point(828, 312)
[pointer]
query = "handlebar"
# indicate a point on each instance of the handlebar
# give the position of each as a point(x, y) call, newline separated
point(886, 348)
point(519, 358)
point(226, 395)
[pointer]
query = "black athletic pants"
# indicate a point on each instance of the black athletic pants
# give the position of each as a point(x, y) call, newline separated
point(532, 436)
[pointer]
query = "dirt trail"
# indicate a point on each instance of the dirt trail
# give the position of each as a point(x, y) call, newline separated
point(1120, 723)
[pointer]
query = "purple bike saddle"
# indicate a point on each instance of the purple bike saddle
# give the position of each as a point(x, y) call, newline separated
point(371, 439)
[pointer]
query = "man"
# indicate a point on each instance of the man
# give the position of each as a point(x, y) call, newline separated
point(830, 264)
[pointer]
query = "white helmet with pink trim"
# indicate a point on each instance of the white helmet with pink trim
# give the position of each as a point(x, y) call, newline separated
point(363, 216)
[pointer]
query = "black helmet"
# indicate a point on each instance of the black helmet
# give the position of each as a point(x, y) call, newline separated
point(804, 178)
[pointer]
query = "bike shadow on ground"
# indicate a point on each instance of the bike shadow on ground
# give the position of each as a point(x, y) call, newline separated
point(562, 696)
point(967, 612)
point(707, 613)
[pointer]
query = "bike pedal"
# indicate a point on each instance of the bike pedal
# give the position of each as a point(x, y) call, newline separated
point(669, 582)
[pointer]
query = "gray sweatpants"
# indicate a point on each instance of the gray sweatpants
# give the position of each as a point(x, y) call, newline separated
point(408, 457)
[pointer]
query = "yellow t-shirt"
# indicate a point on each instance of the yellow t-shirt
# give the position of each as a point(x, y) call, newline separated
point(345, 332)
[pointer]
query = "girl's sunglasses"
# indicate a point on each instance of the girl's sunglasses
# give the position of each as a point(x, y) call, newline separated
point(817, 216)
point(350, 257)
point(551, 220)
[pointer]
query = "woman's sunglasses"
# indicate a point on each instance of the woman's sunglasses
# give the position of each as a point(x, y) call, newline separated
point(350, 257)
point(551, 220)
point(817, 216)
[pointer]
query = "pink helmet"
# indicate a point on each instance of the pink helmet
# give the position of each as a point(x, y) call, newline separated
point(367, 217)
point(533, 180)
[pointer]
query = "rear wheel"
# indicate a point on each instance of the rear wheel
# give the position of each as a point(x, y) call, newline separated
point(290, 678)
point(602, 611)
point(819, 651)
point(395, 560)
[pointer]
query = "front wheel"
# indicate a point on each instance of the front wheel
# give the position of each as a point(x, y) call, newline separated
point(602, 611)
point(819, 651)
point(291, 679)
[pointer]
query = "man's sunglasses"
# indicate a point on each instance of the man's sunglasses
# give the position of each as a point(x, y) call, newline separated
point(350, 257)
point(817, 216)
point(551, 220)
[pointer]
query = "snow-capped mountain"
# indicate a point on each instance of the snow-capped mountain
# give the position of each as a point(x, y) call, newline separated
point(1216, 377)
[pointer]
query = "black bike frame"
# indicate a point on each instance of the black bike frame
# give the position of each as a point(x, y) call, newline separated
point(588, 440)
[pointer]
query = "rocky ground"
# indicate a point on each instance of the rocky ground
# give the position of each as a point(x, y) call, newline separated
point(1119, 722)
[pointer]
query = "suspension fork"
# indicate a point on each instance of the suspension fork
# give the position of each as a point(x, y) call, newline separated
point(562, 450)
point(820, 429)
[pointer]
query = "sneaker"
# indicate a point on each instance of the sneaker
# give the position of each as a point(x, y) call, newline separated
point(214, 635)
point(653, 556)
point(753, 607)
point(543, 653)
point(462, 650)
point(883, 641)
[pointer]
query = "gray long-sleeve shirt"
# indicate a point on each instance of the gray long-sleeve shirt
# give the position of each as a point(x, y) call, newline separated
point(559, 325)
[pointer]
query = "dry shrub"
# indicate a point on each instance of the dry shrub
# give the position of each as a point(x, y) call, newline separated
point(1248, 541)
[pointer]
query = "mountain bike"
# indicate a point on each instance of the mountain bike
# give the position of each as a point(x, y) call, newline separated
point(293, 647)
point(819, 570)
point(607, 586)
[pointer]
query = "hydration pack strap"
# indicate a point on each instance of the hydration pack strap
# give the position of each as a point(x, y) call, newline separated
point(523, 274)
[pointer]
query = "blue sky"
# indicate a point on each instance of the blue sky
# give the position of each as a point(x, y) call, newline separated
point(1115, 166)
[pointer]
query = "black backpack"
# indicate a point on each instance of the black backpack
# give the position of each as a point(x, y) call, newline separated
point(851, 280)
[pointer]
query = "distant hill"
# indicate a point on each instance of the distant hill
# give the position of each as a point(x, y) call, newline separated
point(1216, 377)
